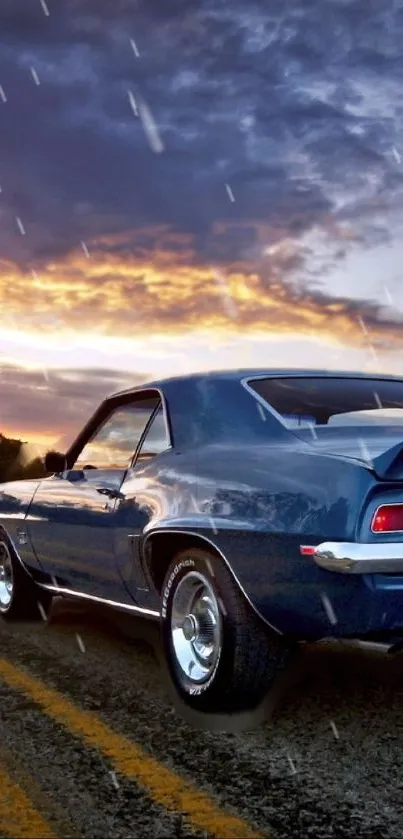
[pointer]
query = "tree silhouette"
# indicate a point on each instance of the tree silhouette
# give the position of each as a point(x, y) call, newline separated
point(15, 462)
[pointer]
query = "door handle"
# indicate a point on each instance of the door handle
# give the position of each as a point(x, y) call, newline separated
point(110, 493)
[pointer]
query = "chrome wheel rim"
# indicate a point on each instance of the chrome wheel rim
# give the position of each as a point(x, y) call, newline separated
point(6, 577)
point(196, 627)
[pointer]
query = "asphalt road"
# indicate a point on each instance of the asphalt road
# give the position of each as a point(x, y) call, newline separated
point(91, 746)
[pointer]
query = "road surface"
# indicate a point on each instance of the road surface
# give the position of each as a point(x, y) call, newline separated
point(91, 746)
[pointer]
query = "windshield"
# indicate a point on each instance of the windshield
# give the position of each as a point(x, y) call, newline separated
point(302, 402)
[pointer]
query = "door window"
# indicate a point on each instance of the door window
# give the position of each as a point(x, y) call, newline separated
point(113, 443)
point(156, 439)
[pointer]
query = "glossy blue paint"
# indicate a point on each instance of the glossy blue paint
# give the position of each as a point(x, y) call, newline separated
point(70, 523)
point(260, 530)
point(15, 500)
point(236, 477)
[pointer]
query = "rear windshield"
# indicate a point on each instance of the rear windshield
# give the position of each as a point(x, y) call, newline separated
point(302, 402)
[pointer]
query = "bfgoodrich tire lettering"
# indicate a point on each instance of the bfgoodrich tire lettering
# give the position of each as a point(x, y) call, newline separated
point(185, 563)
point(225, 659)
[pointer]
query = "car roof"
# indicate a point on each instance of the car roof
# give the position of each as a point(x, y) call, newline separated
point(212, 406)
point(253, 373)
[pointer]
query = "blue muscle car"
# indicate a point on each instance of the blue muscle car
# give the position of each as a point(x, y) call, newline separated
point(245, 510)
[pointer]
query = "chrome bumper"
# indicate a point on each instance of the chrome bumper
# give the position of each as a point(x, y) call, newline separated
point(360, 558)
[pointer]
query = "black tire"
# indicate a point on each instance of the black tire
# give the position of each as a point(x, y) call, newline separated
point(250, 656)
point(25, 600)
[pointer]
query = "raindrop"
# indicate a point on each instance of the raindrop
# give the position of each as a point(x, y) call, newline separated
point(150, 128)
point(396, 155)
point(213, 527)
point(20, 226)
point(327, 605)
point(80, 642)
point(134, 47)
point(362, 324)
point(133, 103)
point(42, 611)
point(230, 193)
point(114, 780)
point(3, 96)
point(35, 76)
point(334, 729)
point(195, 505)
point(261, 411)
point(228, 302)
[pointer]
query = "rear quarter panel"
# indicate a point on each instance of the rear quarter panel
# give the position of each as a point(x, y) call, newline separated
point(257, 505)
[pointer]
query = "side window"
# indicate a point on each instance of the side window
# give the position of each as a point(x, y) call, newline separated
point(156, 439)
point(113, 444)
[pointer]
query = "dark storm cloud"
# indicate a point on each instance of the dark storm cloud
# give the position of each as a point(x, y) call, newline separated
point(294, 105)
point(55, 402)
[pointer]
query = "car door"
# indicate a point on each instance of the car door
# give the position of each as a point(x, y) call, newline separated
point(143, 497)
point(72, 516)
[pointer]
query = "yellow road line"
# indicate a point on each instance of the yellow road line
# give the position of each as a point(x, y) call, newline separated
point(18, 817)
point(129, 759)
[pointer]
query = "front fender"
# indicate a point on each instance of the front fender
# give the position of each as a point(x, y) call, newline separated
point(15, 501)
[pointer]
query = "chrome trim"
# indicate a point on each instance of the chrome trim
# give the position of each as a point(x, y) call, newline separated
point(167, 424)
point(196, 627)
point(360, 557)
point(217, 549)
point(80, 595)
point(109, 402)
point(65, 592)
point(245, 383)
point(133, 392)
point(389, 504)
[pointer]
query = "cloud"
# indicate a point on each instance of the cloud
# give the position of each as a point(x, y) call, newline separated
point(126, 288)
point(299, 115)
point(54, 404)
point(298, 112)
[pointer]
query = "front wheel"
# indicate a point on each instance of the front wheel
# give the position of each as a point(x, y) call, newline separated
point(20, 598)
point(220, 655)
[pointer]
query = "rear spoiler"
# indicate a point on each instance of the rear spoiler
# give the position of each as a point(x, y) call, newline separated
point(388, 466)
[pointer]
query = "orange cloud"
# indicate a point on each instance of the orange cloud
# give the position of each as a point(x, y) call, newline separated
point(160, 286)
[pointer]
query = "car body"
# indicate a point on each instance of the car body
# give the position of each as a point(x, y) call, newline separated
point(271, 475)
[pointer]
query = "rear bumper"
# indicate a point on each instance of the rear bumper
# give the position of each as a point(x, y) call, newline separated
point(360, 558)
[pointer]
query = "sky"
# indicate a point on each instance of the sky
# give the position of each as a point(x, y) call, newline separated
point(194, 185)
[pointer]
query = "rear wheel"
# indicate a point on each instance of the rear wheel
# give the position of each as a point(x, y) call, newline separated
point(220, 655)
point(20, 598)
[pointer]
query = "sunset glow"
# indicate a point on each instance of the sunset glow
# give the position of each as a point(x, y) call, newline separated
point(209, 234)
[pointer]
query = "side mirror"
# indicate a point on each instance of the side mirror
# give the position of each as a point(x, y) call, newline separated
point(55, 462)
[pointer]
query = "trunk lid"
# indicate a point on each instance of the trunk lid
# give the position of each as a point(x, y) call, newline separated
point(378, 448)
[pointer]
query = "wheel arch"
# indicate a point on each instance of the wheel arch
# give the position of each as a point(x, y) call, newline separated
point(5, 537)
point(36, 577)
point(162, 544)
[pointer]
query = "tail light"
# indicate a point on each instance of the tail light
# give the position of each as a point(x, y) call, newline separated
point(307, 550)
point(388, 518)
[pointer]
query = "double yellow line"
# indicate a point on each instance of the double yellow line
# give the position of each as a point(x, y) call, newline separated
point(18, 816)
point(126, 758)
